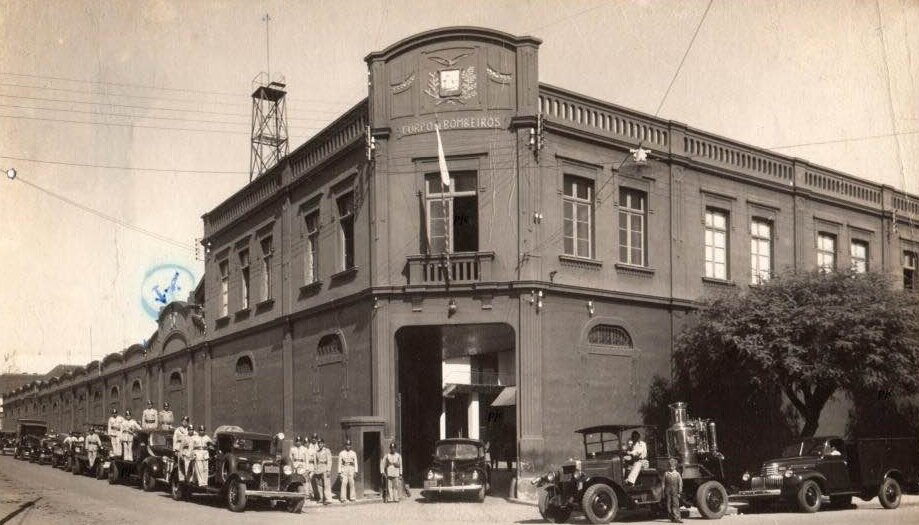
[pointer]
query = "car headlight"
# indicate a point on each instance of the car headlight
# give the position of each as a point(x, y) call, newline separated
point(746, 476)
point(256, 468)
point(475, 474)
point(789, 473)
point(430, 474)
point(287, 470)
point(550, 477)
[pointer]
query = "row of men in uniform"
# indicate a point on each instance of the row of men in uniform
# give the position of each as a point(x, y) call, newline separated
point(192, 452)
point(313, 460)
point(121, 428)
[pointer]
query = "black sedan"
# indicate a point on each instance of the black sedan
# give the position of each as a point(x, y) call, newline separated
point(459, 467)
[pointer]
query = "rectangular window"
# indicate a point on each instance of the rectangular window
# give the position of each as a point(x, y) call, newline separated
point(244, 271)
point(452, 213)
point(224, 288)
point(716, 244)
point(346, 229)
point(910, 262)
point(578, 214)
point(826, 252)
point(633, 209)
point(858, 251)
point(267, 251)
point(311, 249)
point(760, 251)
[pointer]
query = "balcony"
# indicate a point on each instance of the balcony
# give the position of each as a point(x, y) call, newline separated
point(464, 268)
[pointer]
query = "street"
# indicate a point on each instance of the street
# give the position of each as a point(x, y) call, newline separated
point(51, 496)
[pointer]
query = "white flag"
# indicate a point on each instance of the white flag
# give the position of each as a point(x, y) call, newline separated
point(441, 160)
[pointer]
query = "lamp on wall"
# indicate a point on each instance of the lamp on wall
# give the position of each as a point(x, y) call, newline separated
point(376, 302)
point(590, 307)
point(451, 306)
point(536, 299)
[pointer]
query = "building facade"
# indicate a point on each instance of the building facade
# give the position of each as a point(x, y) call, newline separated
point(349, 292)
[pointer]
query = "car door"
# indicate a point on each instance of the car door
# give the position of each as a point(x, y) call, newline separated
point(835, 467)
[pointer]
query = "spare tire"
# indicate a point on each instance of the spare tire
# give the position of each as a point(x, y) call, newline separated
point(712, 500)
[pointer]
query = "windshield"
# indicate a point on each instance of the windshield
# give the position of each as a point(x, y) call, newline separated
point(807, 447)
point(252, 445)
point(598, 444)
point(457, 451)
point(161, 440)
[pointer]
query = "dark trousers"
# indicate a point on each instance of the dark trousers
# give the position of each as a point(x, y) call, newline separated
point(672, 501)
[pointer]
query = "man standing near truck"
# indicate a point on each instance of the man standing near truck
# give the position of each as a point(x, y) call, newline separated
point(114, 432)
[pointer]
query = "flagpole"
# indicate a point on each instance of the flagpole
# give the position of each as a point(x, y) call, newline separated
point(444, 184)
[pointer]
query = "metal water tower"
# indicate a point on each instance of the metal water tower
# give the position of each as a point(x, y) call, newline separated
point(269, 125)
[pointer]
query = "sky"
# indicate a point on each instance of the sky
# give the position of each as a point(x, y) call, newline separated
point(127, 120)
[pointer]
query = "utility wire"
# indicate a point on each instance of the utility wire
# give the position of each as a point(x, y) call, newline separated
point(107, 217)
point(853, 139)
point(682, 60)
point(127, 168)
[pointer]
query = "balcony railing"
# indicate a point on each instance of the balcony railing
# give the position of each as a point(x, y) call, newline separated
point(455, 268)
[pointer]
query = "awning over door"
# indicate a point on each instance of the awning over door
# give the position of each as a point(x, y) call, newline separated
point(507, 397)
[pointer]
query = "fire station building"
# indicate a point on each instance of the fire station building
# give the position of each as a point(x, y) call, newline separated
point(349, 292)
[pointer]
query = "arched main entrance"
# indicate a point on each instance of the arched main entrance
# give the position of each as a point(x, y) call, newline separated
point(455, 381)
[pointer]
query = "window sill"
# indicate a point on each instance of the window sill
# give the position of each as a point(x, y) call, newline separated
point(311, 287)
point(718, 282)
point(580, 262)
point(344, 274)
point(633, 269)
point(264, 305)
point(242, 313)
point(222, 321)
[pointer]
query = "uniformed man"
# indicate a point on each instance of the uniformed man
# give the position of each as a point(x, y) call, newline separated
point(299, 458)
point(199, 443)
point(179, 437)
point(93, 443)
point(165, 418)
point(311, 457)
point(392, 469)
point(114, 432)
point(347, 468)
point(149, 417)
point(314, 446)
point(323, 471)
point(128, 427)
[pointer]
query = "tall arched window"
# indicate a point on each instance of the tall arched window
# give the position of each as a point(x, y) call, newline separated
point(114, 393)
point(244, 367)
point(175, 379)
point(609, 335)
point(330, 349)
point(136, 390)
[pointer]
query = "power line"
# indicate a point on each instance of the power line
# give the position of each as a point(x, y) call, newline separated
point(127, 168)
point(107, 217)
point(682, 60)
point(839, 141)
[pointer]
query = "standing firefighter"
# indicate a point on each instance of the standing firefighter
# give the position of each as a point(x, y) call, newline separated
point(93, 444)
point(199, 443)
point(300, 459)
point(166, 418)
point(128, 428)
point(149, 419)
point(347, 468)
point(392, 469)
point(324, 471)
point(179, 438)
point(114, 432)
point(673, 487)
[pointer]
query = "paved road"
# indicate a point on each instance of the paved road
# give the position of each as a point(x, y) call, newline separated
point(62, 498)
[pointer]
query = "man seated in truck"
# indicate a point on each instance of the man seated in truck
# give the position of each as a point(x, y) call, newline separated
point(832, 448)
point(638, 454)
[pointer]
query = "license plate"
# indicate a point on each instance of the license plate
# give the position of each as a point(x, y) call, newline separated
point(272, 469)
point(105, 465)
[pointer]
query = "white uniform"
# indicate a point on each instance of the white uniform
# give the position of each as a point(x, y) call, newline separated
point(347, 467)
point(199, 445)
point(150, 419)
point(639, 454)
point(114, 432)
point(128, 428)
point(179, 437)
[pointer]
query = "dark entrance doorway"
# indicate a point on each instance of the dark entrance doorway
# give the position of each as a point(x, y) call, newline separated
point(449, 377)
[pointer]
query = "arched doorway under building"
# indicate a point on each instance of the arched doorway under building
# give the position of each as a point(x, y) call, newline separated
point(455, 381)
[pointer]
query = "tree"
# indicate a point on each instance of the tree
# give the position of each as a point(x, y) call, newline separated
point(811, 335)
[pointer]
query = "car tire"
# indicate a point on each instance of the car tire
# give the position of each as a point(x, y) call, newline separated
point(889, 493)
point(712, 500)
point(809, 496)
point(100, 472)
point(176, 489)
point(147, 481)
point(296, 507)
point(600, 503)
point(75, 467)
point(114, 473)
point(480, 494)
point(236, 496)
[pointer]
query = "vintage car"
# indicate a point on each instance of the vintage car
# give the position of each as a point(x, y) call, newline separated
point(80, 462)
point(459, 467)
point(60, 449)
point(31, 431)
point(244, 465)
point(153, 460)
point(44, 452)
point(813, 468)
point(596, 484)
point(7, 443)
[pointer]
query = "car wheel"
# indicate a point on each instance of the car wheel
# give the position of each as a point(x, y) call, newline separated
point(75, 467)
point(480, 494)
point(236, 496)
point(889, 493)
point(297, 506)
point(176, 490)
point(600, 503)
point(100, 472)
point(147, 481)
point(113, 473)
point(712, 500)
point(809, 496)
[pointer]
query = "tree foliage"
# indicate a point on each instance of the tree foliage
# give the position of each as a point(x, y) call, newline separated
point(810, 335)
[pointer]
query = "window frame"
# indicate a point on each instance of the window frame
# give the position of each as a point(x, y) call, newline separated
point(756, 271)
point(240, 375)
point(823, 253)
point(577, 203)
point(710, 227)
point(223, 270)
point(245, 290)
point(345, 230)
point(447, 198)
point(266, 244)
point(630, 213)
point(333, 357)
point(910, 263)
point(311, 247)
point(854, 260)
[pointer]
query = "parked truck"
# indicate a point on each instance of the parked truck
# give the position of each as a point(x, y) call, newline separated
point(829, 466)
